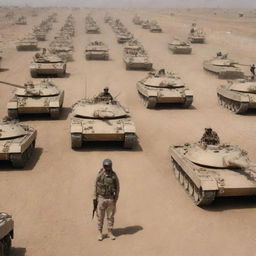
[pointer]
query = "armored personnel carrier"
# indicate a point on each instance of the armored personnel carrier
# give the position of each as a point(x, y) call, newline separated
point(35, 98)
point(17, 142)
point(124, 37)
point(196, 36)
point(238, 95)
point(6, 233)
point(139, 60)
point(47, 64)
point(28, 43)
point(223, 66)
point(101, 120)
point(179, 47)
point(97, 50)
point(164, 87)
point(210, 171)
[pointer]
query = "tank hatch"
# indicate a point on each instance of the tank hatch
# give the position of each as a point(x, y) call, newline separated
point(173, 82)
point(243, 86)
point(100, 110)
point(10, 130)
point(47, 59)
point(222, 156)
point(222, 62)
point(43, 89)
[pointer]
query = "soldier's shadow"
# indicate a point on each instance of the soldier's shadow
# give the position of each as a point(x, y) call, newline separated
point(127, 230)
point(15, 251)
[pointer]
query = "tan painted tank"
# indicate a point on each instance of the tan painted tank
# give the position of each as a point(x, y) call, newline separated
point(133, 45)
point(238, 95)
point(47, 64)
point(197, 36)
point(22, 20)
point(6, 233)
point(223, 67)
point(40, 35)
point(96, 50)
point(36, 98)
point(145, 24)
point(163, 87)
point(210, 171)
point(62, 51)
point(179, 47)
point(155, 28)
point(28, 43)
point(124, 37)
point(99, 120)
point(92, 29)
point(137, 20)
point(138, 60)
point(17, 142)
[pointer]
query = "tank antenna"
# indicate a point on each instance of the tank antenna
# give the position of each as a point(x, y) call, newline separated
point(85, 87)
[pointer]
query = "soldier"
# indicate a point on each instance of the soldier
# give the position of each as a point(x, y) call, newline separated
point(105, 95)
point(210, 137)
point(252, 69)
point(106, 193)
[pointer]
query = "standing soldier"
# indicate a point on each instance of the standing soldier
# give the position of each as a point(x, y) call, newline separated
point(252, 69)
point(210, 137)
point(106, 194)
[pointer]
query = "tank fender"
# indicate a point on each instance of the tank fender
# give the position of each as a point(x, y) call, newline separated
point(129, 128)
point(54, 104)
point(76, 128)
point(189, 93)
point(209, 184)
point(15, 148)
point(153, 93)
point(12, 105)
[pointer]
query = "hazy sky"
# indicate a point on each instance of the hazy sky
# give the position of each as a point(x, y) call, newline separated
point(136, 3)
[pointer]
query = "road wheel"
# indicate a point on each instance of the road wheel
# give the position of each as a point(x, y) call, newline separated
point(76, 140)
point(13, 113)
point(151, 102)
point(54, 113)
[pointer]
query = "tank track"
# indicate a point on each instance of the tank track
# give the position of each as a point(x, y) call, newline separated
point(150, 102)
point(13, 113)
point(198, 196)
point(230, 75)
point(234, 106)
point(19, 160)
point(129, 140)
point(54, 113)
point(76, 140)
point(5, 245)
point(33, 73)
point(188, 102)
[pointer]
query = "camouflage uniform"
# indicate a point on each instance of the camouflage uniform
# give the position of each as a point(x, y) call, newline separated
point(105, 96)
point(107, 192)
point(210, 137)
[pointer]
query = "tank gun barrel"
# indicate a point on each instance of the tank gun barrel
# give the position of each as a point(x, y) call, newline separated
point(11, 84)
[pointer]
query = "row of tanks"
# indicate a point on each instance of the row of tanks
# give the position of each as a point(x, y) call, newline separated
point(91, 26)
point(152, 26)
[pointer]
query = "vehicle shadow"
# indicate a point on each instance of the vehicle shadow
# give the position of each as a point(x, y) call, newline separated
point(175, 106)
point(15, 251)
point(4, 69)
point(231, 203)
point(131, 230)
point(7, 166)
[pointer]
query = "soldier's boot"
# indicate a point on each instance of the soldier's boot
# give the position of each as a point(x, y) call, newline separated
point(100, 235)
point(110, 234)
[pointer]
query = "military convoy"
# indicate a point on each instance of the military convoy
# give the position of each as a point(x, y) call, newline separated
point(99, 119)
point(47, 64)
point(35, 98)
point(17, 142)
point(97, 50)
point(161, 87)
point(238, 96)
point(6, 233)
point(28, 43)
point(180, 47)
point(209, 171)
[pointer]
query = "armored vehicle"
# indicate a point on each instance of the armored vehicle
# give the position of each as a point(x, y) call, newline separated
point(21, 21)
point(134, 59)
point(97, 50)
point(124, 37)
point(146, 24)
point(35, 98)
point(137, 20)
point(179, 47)
point(238, 95)
point(164, 87)
point(196, 36)
point(47, 64)
point(28, 43)
point(6, 233)
point(210, 171)
point(63, 52)
point(101, 120)
point(155, 28)
point(40, 34)
point(92, 29)
point(133, 45)
point(17, 142)
point(223, 66)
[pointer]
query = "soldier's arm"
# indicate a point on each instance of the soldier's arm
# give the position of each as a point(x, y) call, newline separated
point(95, 195)
point(117, 188)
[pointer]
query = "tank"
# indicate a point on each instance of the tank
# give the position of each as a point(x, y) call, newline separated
point(21, 21)
point(197, 36)
point(133, 45)
point(99, 120)
point(137, 20)
point(36, 98)
point(63, 52)
point(137, 60)
point(238, 95)
point(47, 64)
point(6, 233)
point(17, 142)
point(40, 34)
point(92, 29)
point(163, 87)
point(155, 28)
point(223, 67)
point(96, 50)
point(28, 43)
point(124, 37)
point(210, 171)
point(179, 47)
point(145, 24)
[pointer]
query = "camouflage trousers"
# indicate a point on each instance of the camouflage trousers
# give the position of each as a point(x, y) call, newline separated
point(106, 207)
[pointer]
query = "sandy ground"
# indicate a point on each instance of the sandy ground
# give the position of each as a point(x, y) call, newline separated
point(51, 199)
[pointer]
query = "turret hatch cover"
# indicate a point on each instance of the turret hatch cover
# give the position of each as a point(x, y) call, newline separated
point(9, 131)
point(164, 82)
point(244, 86)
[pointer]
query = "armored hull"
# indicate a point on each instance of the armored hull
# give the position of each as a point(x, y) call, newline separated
point(212, 171)
point(137, 62)
point(6, 233)
point(238, 96)
point(164, 90)
point(97, 51)
point(224, 68)
point(44, 97)
point(178, 47)
point(27, 44)
point(101, 121)
point(17, 143)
